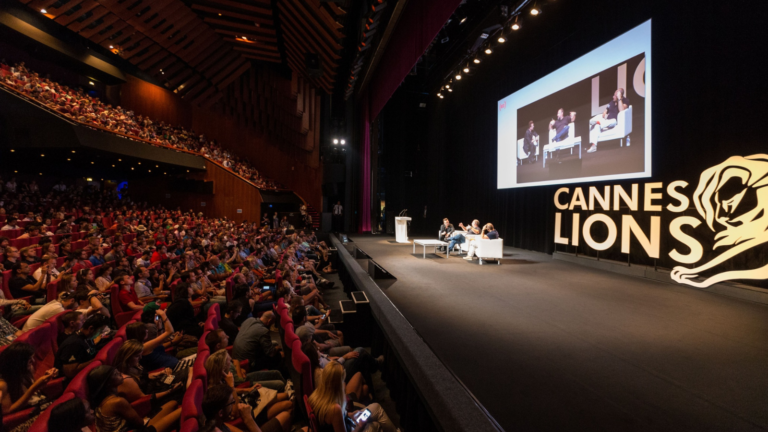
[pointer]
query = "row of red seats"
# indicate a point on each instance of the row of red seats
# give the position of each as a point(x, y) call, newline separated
point(44, 339)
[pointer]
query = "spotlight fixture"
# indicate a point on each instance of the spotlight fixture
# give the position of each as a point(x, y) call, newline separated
point(43, 11)
point(501, 38)
point(42, 155)
point(12, 150)
point(515, 25)
point(466, 68)
point(335, 141)
point(446, 86)
point(463, 20)
point(439, 95)
point(535, 10)
point(219, 14)
point(450, 90)
point(69, 159)
point(488, 50)
point(476, 60)
point(111, 47)
point(91, 83)
point(343, 142)
point(73, 151)
point(92, 163)
point(458, 76)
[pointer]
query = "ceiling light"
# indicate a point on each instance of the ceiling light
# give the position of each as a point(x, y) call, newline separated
point(139, 163)
point(91, 83)
point(488, 50)
point(535, 10)
point(157, 166)
point(93, 163)
point(343, 142)
point(111, 47)
point(42, 155)
point(149, 170)
point(450, 90)
point(439, 95)
point(69, 159)
point(73, 151)
point(501, 38)
point(43, 11)
point(89, 179)
point(447, 86)
point(113, 166)
point(41, 173)
point(131, 168)
point(335, 141)
point(462, 20)
point(12, 150)
point(476, 60)
point(245, 38)
point(466, 68)
point(219, 14)
point(119, 160)
point(515, 25)
point(458, 76)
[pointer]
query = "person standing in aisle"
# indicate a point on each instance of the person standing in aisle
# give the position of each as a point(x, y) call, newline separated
point(338, 216)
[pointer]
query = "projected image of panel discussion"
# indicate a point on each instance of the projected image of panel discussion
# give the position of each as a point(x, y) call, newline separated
point(589, 120)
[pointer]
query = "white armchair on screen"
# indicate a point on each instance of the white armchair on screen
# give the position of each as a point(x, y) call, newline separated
point(622, 129)
point(490, 249)
point(521, 155)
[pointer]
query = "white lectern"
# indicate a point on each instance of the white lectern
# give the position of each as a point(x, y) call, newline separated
point(401, 229)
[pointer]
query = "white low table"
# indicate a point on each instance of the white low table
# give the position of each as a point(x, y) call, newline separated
point(430, 242)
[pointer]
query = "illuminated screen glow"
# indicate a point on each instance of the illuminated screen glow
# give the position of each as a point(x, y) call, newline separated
point(587, 90)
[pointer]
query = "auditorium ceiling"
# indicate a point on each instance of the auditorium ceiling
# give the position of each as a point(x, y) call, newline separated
point(197, 48)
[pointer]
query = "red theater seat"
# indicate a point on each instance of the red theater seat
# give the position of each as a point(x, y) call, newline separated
point(107, 354)
point(191, 405)
point(198, 368)
point(41, 424)
point(79, 384)
point(189, 426)
point(121, 317)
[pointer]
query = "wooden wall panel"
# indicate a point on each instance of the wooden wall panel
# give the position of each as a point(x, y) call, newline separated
point(156, 102)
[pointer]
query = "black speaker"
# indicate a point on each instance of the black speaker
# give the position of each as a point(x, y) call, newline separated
point(312, 61)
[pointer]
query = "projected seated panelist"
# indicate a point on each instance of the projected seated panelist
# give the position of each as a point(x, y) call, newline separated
point(614, 122)
point(528, 147)
point(562, 134)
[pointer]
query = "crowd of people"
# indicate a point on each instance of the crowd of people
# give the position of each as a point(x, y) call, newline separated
point(89, 110)
point(170, 266)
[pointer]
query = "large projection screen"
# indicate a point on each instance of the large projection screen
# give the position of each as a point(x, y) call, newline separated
point(540, 145)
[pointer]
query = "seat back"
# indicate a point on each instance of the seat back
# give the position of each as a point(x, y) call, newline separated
point(6, 280)
point(216, 309)
point(192, 404)
point(43, 339)
point(190, 425)
point(52, 291)
point(198, 368)
point(107, 354)
point(41, 424)
point(313, 426)
point(57, 327)
point(79, 384)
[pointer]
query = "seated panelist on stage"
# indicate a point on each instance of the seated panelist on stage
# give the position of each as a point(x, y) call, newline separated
point(489, 233)
point(446, 230)
point(458, 237)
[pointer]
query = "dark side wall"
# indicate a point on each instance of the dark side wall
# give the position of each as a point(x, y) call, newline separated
point(708, 79)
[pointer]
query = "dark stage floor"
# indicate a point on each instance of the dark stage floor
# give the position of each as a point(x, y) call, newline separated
point(547, 345)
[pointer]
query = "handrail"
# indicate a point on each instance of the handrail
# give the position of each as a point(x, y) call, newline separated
point(130, 137)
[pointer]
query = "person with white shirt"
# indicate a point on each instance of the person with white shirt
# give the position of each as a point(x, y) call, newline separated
point(66, 301)
point(338, 216)
point(52, 272)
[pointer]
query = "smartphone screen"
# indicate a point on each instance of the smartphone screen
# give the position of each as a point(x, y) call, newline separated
point(364, 416)
point(323, 316)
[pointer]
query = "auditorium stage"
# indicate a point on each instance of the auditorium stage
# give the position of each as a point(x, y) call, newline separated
point(547, 345)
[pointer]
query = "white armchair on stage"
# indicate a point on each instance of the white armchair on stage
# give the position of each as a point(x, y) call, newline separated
point(569, 143)
point(489, 249)
point(622, 129)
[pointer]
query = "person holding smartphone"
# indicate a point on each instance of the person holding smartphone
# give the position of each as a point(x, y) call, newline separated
point(329, 403)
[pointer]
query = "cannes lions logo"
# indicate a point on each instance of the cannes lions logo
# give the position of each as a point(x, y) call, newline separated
point(733, 200)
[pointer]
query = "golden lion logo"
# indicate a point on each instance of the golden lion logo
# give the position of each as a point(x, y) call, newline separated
point(733, 200)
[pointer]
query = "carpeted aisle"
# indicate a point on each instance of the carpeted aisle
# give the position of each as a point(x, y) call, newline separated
point(548, 345)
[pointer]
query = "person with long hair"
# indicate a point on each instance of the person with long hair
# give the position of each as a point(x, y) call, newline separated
point(71, 416)
point(218, 367)
point(220, 406)
point(329, 403)
point(104, 278)
point(356, 387)
point(115, 414)
point(18, 386)
point(489, 233)
point(135, 380)
point(85, 278)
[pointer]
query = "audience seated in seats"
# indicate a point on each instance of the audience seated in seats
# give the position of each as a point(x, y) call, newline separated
point(158, 337)
point(230, 313)
point(50, 265)
point(143, 285)
point(65, 301)
point(221, 406)
point(182, 312)
point(329, 339)
point(266, 403)
point(329, 403)
point(203, 288)
point(356, 388)
point(71, 323)
point(127, 297)
point(17, 307)
point(78, 350)
point(488, 232)
point(89, 302)
point(115, 414)
point(103, 278)
point(73, 415)
point(254, 344)
point(86, 279)
point(8, 332)
point(354, 361)
point(18, 387)
point(137, 381)
point(217, 340)
point(22, 284)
